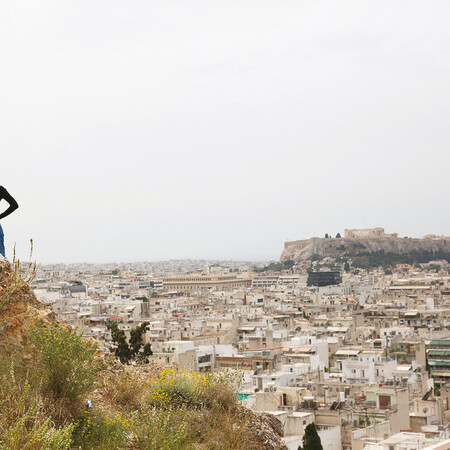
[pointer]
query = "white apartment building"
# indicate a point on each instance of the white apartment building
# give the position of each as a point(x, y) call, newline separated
point(368, 367)
point(263, 281)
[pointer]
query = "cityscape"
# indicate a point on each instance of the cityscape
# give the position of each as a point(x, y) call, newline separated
point(223, 225)
point(363, 352)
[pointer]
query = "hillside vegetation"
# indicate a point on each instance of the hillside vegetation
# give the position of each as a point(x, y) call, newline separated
point(49, 372)
point(366, 253)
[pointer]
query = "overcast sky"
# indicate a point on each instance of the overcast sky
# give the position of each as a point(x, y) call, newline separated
point(148, 130)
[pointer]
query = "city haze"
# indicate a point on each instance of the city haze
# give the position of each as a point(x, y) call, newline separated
point(217, 130)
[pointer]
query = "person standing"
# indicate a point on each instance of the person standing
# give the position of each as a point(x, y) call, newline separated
point(13, 205)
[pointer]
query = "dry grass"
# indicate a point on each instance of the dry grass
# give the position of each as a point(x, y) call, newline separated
point(16, 278)
point(122, 390)
point(24, 420)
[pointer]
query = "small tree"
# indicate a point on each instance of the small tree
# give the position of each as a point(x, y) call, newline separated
point(136, 341)
point(289, 264)
point(311, 439)
point(127, 351)
point(338, 235)
point(122, 350)
point(326, 236)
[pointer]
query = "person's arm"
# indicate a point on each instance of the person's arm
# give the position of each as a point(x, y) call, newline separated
point(13, 205)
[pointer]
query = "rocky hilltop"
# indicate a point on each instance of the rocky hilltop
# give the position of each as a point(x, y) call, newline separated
point(426, 248)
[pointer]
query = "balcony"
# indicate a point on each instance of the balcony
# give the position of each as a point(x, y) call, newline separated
point(285, 408)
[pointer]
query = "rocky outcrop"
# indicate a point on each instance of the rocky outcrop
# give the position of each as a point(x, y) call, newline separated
point(303, 250)
point(268, 430)
point(18, 307)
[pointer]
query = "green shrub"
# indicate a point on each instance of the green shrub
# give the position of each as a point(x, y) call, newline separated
point(189, 388)
point(32, 432)
point(22, 423)
point(165, 429)
point(68, 362)
point(95, 429)
point(185, 427)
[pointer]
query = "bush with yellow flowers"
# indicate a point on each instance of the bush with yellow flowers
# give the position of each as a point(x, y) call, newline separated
point(177, 387)
point(96, 429)
point(68, 362)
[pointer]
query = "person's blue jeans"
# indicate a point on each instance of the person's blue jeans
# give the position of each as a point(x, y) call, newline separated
point(2, 242)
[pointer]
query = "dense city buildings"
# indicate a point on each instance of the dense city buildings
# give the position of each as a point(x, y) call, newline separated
point(363, 352)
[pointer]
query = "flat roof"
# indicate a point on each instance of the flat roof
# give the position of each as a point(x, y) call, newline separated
point(298, 349)
point(405, 437)
point(276, 413)
point(301, 414)
point(350, 352)
point(338, 329)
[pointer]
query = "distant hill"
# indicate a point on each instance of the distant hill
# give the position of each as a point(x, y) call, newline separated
point(370, 251)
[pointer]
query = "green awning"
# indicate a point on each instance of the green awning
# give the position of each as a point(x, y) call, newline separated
point(441, 342)
point(439, 353)
point(439, 363)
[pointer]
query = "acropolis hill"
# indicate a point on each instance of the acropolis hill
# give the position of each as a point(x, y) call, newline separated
point(372, 240)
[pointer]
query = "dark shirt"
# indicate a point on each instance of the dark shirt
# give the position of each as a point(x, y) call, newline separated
point(13, 205)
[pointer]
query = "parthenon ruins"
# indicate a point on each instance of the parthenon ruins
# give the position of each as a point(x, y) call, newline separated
point(368, 233)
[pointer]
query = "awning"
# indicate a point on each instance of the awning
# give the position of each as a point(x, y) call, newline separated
point(439, 363)
point(439, 353)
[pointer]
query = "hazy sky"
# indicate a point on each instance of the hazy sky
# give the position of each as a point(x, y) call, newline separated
point(147, 130)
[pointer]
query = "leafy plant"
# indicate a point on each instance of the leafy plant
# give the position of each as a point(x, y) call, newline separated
point(173, 387)
point(126, 351)
point(69, 365)
point(162, 428)
point(31, 433)
point(95, 429)
point(22, 423)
